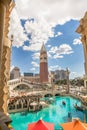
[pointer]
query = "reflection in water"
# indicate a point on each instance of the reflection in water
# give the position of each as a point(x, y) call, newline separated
point(56, 113)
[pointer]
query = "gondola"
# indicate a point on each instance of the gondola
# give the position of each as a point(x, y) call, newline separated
point(64, 103)
point(50, 101)
point(78, 108)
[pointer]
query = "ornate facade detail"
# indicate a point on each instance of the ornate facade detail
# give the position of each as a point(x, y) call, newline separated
point(2, 26)
point(5, 75)
point(82, 29)
point(5, 54)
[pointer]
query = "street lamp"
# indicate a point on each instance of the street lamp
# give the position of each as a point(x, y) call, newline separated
point(12, 37)
point(67, 78)
point(52, 83)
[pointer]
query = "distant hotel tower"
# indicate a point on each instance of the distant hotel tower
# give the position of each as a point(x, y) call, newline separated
point(43, 65)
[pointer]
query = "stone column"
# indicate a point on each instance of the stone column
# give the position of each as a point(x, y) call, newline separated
point(5, 46)
point(5, 72)
point(67, 75)
point(84, 41)
point(82, 29)
point(2, 27)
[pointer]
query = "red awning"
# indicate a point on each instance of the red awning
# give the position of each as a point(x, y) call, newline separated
point(41, 125)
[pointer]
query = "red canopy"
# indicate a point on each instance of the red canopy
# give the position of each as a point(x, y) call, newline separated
point(41, 125)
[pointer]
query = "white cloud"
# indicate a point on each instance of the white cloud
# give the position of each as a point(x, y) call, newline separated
point(64, 49)
point(56, 56)
point(49, 46)
point(32, 69)
point(54, 67)
point(47, 15)
point(16, 30)
point(55, 11)
point(32, 47)
point(11, 68)
point(36, 55)
point(58, 34)
point(77, 41)
point(49, 54)
point(35, 64)
point(40, 32)
point(59, 52)
point(53, 49)
point(73, 74)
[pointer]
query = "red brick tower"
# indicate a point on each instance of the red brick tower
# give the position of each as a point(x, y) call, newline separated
point(43, 65)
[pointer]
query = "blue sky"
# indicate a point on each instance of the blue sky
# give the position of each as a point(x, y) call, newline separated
point(74, 61)
point(55, 29)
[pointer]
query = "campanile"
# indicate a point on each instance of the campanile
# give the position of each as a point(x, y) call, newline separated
point(43, 65)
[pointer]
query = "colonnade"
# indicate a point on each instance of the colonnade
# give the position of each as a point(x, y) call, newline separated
point(20, 104)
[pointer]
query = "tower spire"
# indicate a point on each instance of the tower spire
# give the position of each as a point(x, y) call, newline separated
point(43, 49)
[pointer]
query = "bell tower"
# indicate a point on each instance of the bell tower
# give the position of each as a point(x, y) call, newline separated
point(43, 65)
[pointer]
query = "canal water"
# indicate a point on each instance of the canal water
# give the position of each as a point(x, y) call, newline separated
point(56, 113)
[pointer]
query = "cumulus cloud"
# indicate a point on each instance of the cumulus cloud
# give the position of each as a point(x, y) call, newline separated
point(77, 41)
point(47, 15)
point(58, 34)
point(36, 55)
point(16, 30)
point(32, 69)
point(53, 49)
point(49, 46)
point(53, 11)
point(11, 68)
point(59, 52)
point(49, 54)
point(73, 74)
point(39, 31)
point(35, 64)
point(56, 56)
point(32, 47)
point(54, 67)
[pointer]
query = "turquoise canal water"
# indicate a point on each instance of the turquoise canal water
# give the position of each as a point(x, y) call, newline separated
point(56, 113)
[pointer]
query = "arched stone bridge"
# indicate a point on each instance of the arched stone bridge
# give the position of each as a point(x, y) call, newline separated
point(17, 82)
point(21, 81)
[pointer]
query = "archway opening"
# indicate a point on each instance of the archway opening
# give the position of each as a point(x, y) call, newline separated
point(48, 95)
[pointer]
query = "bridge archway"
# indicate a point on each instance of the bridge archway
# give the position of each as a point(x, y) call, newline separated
point(48, 95)
point(13, 84)
point(57, 94)
point(22, 86)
